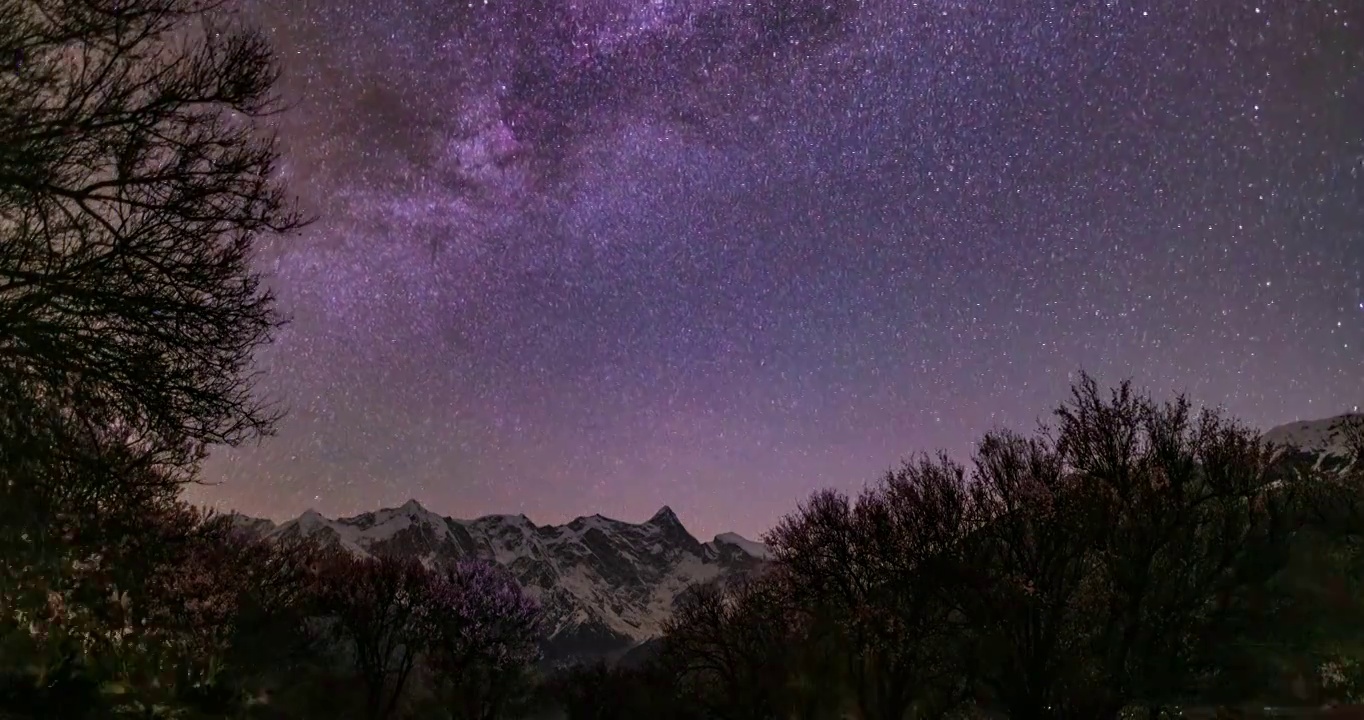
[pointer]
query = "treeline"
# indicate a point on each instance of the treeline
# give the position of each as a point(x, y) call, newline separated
point(1135, 558)
point(118, 600)
point(152, 609)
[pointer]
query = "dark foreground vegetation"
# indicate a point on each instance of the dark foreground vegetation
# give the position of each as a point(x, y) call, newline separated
point(1135, 557)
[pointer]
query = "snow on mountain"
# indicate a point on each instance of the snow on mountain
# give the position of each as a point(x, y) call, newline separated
point(1324, 444)
point(757, 550)
point(257, 526)
point(605, 584)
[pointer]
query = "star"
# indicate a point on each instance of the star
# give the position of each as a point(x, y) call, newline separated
point(605, 256)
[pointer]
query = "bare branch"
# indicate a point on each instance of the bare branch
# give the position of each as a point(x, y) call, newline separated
point(135, 180)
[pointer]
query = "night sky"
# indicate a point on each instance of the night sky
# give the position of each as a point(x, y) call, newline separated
point(599, 256)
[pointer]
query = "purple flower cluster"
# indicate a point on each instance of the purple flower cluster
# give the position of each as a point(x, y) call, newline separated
point(477, 613)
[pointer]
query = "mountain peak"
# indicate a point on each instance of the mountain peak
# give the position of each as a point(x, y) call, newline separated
point(606, 584)
point(1326, 444)
point(665, 516)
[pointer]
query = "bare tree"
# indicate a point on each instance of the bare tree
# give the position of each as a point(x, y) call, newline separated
point(1304, 624)
point(1115, 549)
point(729, 647)
point(377, 608)
point(1022, 574)
point(135, 181)
point(884, 565)
point(1192, 513)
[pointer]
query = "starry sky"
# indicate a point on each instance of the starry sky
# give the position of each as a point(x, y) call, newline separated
point(599, 256)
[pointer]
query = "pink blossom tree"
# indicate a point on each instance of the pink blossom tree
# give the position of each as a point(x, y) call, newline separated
point(484, 633)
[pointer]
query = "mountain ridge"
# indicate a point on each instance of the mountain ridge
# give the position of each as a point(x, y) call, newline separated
point(606, 585)
point(1323, 444)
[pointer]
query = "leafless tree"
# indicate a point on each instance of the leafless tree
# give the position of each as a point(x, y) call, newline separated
point(1114, 548)
point(136, 179)
point(884, 565)
point(729, 647)
point(376, 607)
point(1022, 574)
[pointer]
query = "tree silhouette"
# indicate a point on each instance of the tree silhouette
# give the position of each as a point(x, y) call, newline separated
point(376, 607)
point(1112, 551)
point(729, 647)
point(135, 182)
point(81, 523)
point(1024, 576)
point(482, 637)
point(877, 563)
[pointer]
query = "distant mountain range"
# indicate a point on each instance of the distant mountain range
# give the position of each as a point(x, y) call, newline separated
point(606, 585)
point(609, 585)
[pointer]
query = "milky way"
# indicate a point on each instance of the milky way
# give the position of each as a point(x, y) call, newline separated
point(607, 255)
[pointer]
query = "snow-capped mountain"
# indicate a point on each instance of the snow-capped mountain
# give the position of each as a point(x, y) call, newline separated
point(1321, 444)
point(607, 585)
